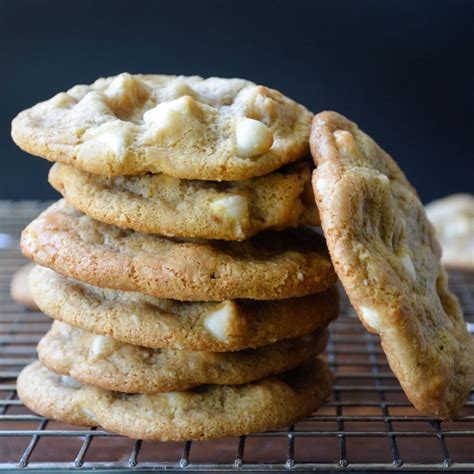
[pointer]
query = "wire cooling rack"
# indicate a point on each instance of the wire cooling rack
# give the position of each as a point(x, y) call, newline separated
point(367, 424)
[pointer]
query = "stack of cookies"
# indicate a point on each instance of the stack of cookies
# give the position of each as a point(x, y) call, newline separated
point(190, 297)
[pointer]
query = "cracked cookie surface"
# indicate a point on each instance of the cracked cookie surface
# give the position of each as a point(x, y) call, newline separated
point(270, 265)
point(388, 259)
point(207, 412)
point(187, 127)
point(161, 204)
point(113, 365)
point(157, 323)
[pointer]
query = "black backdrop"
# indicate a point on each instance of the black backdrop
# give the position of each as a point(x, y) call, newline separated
point(401, 69)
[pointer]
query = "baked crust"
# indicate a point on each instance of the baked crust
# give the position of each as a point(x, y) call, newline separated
point(187, 127)
point(201, 326)
point(114, 365)
point(161, 204)
point(208, 412)
point(271, 265)
point(388, 259)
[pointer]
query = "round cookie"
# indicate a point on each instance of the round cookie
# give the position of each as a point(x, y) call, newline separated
point(187, 127)
point(207, 412)
point(271, 265)
point(113, 365)
point(453, 220)
point(387, 257)
point(161, 204)
point(19, 290)
point(201, 326)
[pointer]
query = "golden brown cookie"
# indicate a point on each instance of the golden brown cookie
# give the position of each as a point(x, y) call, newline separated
point(203, 326)
point(187, 127)
point(271, 265)
point(453, 220)
point(113, 365)
point(388, 259)
point(207, 412)
point(170, 206)
point(19, 290)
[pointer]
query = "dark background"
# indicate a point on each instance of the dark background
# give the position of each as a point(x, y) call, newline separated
point(401, 69)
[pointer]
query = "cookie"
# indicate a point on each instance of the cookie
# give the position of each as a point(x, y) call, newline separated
point(113, 365)
point(202, 326)
point(187, 127)
point(271, 265)
point(161, 204)
point(207, 412)
point(388, 259)
point(453, 220)
point(19, 290)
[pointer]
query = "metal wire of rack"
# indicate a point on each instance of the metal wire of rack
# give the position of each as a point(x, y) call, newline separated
point(367, 424)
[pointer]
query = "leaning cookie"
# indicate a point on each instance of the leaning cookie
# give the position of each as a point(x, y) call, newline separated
point(161, 204)
point(453, 219)
point(113, 365)
point(388, 259)
point(19, 290)
point(201, 326)
point(271, 265)
point(187, 127)
point(207, 412)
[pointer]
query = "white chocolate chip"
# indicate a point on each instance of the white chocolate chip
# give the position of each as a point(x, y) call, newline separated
point(233, 209)
point(126, 91)
point(89, 414)
point(115, 142)
point(168, 116)
point(119, 85)
point(407, 263)
point(300, 276)
point(323, 186)
point(62, 328)
point(101, 347)
point(69, 382)
point(371, 317)
point(60, 100)
point(218, 322)
point(252, 138)
point(135, 319)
